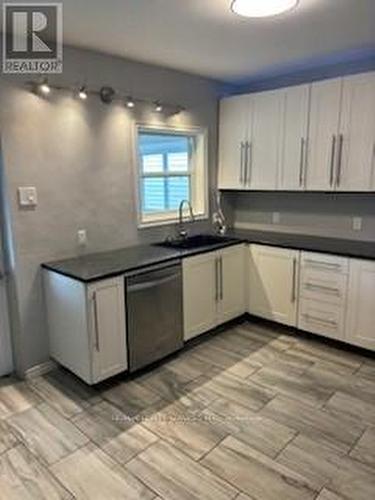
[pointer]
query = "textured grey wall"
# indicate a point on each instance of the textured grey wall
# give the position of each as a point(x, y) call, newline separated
point(312, 213)
point(78, 156)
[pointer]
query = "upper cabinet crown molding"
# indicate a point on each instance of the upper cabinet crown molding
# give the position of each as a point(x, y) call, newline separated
point(314, 137)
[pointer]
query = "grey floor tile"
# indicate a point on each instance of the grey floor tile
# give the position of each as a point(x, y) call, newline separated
point(314, 422)
point(122, 438)
point(358, 409)
point(15, 397)
point(353, 481)
point(261, 433)
point(90, 474)
point(364, 450)
point(47, 433)
point(317, 462)
point(173, 475)
point(23, 477)
point(188, 428)
point(132, 398)
point(328, 495)
point(216, 356)
point(65, 392)
point(300, 387)
point(246, 393)
point(7, 438)
point(367, 370)
point(256, 474)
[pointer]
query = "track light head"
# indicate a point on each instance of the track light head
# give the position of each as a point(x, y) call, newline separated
point(82, 93)
point(158, 107)
point(130, 103)
point(43, 88)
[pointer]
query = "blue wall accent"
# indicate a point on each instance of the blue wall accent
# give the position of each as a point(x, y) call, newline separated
point(334, 65)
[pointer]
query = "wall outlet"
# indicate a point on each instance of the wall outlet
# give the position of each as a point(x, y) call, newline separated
point(357, 223)
point(82, 237)
point(27, 197)
point(275, 217)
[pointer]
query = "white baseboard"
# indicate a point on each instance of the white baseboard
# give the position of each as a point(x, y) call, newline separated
point(38, 370)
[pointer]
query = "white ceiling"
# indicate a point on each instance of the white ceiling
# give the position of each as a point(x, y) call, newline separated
point(205, 37)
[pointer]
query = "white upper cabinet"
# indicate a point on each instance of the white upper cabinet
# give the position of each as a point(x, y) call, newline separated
point(233, 145)
point(356, 147)
point(295, 130)
point(265, 140)
point(323, 135)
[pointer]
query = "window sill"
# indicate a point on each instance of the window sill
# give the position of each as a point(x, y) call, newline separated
point(170, 221)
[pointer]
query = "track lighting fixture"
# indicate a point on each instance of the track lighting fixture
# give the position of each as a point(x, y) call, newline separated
point(158, 107)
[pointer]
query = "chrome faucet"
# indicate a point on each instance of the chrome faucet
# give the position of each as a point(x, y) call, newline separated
point(182, 232)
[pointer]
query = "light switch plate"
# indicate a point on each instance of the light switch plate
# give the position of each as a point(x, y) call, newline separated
point(357, 223)
point(27, 197)
point(82, 237)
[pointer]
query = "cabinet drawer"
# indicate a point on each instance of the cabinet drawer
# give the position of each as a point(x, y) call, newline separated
point(322, 318)
point(323, 262)
point(323, 285)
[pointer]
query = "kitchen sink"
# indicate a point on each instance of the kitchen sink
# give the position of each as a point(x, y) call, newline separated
point(200, 240)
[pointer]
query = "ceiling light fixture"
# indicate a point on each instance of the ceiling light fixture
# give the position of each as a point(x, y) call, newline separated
point(262, 8)
point(82, 93)
point(158, 107)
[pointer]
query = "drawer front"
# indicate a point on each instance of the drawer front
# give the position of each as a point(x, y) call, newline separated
point(324, 262)
point(322, 318)
point(323, 285)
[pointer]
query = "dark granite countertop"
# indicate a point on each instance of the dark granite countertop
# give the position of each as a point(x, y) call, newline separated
point(97, 266)
point(337, 246)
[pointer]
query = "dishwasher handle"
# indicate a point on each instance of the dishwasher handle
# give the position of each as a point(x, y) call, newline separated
point(138, 287)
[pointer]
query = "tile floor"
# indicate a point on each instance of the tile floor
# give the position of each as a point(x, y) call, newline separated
point(253, 412)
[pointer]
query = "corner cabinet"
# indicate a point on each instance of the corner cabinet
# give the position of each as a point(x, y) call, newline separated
point(273, 283)
point(87, 325)
point(360, 321)
point(213, 289)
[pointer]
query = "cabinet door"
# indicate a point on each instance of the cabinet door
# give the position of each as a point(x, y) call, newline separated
point(357, 134)
point(265, 143)
point(294, 151)
point(232, 283)
point(107, 328)
point(200, 286)
point(323, 131)
point(273, 283)
point(233, 134)
point(360, 328)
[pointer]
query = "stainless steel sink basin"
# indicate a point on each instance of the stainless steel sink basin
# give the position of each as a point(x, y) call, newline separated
point(200, 240)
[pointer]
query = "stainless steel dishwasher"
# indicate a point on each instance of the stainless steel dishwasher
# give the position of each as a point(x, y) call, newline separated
point(154, 314)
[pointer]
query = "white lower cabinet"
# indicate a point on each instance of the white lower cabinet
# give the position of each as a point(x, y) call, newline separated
point(323, 294)
point(87, 327)
point(360, 322)
point(214, 289)
point(273, 283)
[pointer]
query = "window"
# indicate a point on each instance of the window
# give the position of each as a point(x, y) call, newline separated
point(171, 169)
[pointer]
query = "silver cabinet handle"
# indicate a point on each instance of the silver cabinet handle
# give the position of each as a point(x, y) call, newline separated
point(301, 163)
point(318, 263)
point(242, 164)
point(250, 161)
point(324, 288)
point(330, 322)
point(221, 279)
point(217, 293)
point(339, 160)
point(96, 322)
point(333, 154)
point(294, 278)
point(246, 162)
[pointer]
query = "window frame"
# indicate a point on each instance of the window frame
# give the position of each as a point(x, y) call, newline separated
point(198, 175)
